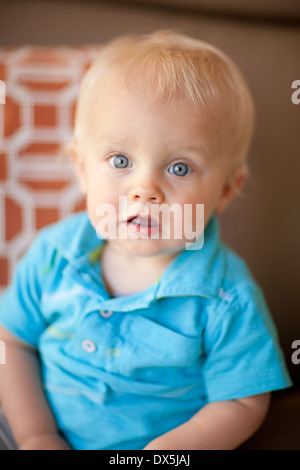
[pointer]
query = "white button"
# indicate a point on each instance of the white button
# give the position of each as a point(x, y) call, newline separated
point(106, 313)
point(88, 345)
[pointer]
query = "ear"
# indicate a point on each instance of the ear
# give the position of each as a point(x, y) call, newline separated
point(79, 166)
point(232, 188)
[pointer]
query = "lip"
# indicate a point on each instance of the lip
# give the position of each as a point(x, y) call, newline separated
point(143, 225)
point(145, 221)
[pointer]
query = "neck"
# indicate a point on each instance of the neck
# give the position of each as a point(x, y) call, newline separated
point(126, 273)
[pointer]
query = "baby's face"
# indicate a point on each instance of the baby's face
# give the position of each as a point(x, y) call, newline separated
point(141, 160)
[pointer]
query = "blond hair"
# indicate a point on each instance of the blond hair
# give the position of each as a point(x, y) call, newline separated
point(167, 66)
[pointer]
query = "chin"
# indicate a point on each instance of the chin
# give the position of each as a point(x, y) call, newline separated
point(148, 247)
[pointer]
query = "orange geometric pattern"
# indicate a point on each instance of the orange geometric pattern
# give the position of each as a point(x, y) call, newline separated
point(37, 183)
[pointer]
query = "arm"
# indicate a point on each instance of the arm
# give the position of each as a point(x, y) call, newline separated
point(222, 425)
point(23, 399)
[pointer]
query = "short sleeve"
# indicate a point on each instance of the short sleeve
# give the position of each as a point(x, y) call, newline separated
point(19, 305)
point(243, 355)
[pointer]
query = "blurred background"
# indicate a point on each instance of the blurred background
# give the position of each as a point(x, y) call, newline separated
point(45, 48)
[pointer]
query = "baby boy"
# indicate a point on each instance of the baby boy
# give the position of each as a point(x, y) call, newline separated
point(122, 330)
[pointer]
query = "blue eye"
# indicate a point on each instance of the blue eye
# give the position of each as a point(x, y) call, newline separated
point(119, 161)
point(179, 169)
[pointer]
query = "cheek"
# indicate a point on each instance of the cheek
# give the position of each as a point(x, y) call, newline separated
point(103, 208)
point(100, 191)
point(187, 221)
point(196, 209)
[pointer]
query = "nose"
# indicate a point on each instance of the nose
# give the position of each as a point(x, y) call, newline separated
point(147, 190)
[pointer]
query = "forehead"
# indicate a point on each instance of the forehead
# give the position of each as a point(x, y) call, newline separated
point(115, 105)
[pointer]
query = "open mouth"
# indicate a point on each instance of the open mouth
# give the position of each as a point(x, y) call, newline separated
point(141, 224)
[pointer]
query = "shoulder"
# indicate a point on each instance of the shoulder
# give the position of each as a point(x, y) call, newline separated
point(240, 298)
point(65, 236)
point(238, 281)
point(64, 227)
point(51, 244)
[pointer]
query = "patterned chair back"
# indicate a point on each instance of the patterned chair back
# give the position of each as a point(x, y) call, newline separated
point(39, 87)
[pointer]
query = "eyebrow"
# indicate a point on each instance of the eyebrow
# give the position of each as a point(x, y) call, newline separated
point(199, 150)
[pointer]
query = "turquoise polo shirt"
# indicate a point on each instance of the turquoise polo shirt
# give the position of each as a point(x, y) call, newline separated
point(119, 372)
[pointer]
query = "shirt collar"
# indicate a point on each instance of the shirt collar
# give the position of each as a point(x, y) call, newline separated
point(192, 272)
point(76, 239)
point(196, 272)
